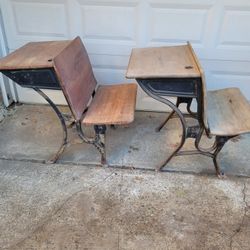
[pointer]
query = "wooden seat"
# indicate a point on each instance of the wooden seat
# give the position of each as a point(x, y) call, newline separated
point(112, 104)
point(106, 105)
point(228, 112)
point(225, 115)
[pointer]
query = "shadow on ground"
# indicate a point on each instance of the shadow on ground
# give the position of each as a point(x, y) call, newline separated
point(34, 133)
point(78, 205)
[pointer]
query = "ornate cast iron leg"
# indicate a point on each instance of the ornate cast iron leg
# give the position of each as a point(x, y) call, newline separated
point(98, 141)
point(214, 150)
point(188, 101)
point(220, 142)
point(100, 131)
point(158, 129)
point(61, 118)
point(179, 114)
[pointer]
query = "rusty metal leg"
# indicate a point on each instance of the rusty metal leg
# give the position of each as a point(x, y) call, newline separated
point(100, 131)
point(188, 101)
point(178, 113)
point(98, 141)
point(183, 139)
point(63, 124)
point(158, 129)
point(220, 142)
point(216, 165)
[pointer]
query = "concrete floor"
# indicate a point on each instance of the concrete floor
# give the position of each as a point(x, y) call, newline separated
point(34, 133)
point(77, 205)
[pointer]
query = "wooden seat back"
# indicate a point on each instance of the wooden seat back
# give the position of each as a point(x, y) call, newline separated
point(76, 77)
point(204, 89)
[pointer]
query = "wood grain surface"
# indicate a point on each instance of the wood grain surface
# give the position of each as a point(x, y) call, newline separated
point(171, 61)
point(33, 55)
point(203, 87)
point(76, 77)
point(228, 112)
point(112, 104)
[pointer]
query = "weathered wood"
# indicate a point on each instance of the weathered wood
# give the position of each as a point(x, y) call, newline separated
point(75, 74)
point(33, 55)
point(162, 62)
point(204, 87)
point(228, 112)
point(112, 104)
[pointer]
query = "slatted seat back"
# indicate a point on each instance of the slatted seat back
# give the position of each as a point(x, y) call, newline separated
point(204, 89)
point(76, 77)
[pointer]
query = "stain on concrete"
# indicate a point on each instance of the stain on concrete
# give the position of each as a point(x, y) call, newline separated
point(101, 208)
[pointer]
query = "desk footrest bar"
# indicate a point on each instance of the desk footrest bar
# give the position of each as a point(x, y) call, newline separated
point(193, 152)
point(193, 131)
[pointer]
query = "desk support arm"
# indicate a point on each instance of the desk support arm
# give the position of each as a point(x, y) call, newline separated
point(98, 141)
point(63, 124)
point(179, 114)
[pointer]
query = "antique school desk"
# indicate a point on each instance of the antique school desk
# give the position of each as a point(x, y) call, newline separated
point(31, 66)
point(171, 71)
point(65, 65)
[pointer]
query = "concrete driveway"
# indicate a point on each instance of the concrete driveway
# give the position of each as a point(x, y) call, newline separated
point(77, 204)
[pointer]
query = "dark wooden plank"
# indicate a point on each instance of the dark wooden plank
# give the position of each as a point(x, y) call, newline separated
point(76, 77)
point(33, 55)
point(112, 104)
point(228, 112)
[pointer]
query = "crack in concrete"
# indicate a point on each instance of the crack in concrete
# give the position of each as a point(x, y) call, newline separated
point(55, 211)
point(120, 199)
point(246, 207)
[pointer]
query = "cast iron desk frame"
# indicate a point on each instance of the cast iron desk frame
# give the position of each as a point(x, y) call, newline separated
point(37, 79)
point(28, 78)
point(185, 87)
point(31, 66)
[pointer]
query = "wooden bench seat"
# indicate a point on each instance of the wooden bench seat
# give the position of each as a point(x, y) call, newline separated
point(225, 115)
point(228, 112)
point(112, 104)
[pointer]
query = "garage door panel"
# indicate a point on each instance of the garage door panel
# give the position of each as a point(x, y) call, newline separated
point(181, 22)
point(28, 16)
point(35, 20)
point(107, 61)
point(234, 30)
point(223, 74)
point(218, 30)
point(98, 22)
point(110, 75)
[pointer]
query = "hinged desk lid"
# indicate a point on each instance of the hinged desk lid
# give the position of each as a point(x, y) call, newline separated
point(33, 55)
point(162, 62)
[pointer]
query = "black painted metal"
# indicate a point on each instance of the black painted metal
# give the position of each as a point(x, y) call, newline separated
point(193, 131)
point(181, 87)
point(100, 133)
point(98, 141)
point(189, 92)
point(40, 78)
point(61, 118)
point(180, 100)
point(46, 79)
point(177, 111)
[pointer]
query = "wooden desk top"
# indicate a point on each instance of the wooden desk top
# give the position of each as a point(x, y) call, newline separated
point(162, 62)
point(33, 55)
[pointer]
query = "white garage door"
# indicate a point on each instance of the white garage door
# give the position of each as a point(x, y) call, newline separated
point(219, 30)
